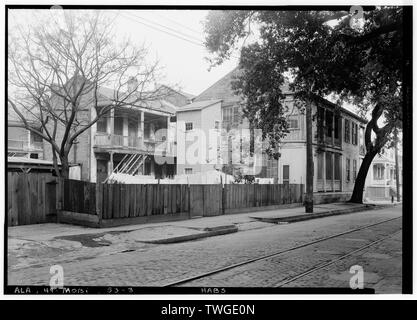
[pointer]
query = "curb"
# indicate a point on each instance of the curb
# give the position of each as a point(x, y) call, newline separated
point(310, 216)
point(210, 232)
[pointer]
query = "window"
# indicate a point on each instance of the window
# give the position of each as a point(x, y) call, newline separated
point(329, 123)
point(293, 124)
point(102, 124)
point(347, 170)
point(329, 166)
point(320, 166)
point(320, 125)
point(36, 137)
point(379, 172)
point(227, 114)
point(337, 166)
point(347, 131)
point(354, 169)
point(336, 127)
point(354, 133)
point(286, 174)
point(188, 170)
point(236, 115)
point(188, 126)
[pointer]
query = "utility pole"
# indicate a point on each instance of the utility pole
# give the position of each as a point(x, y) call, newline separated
point(397, 171)
point(309, 157)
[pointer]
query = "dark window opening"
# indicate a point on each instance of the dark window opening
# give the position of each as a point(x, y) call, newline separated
point(329, 124)
point(329, 166)
point(347, 131)
point(286, 174)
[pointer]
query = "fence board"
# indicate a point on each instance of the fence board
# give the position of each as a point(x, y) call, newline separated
point(27, 197)
point(127, 201)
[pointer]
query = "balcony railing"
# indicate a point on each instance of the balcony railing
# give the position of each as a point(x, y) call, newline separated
point(105, 140)
point(114, 140)
point(24, 145)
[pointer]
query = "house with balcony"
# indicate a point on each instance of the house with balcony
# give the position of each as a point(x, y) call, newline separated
point(338, 139)
point(338, 148)
point(382, 177)
point(134, 139)
point(22, 142)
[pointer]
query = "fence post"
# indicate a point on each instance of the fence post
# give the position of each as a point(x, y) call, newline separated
point(60, 197)
point(223, 194)
point(189, 198)
point(99, 202)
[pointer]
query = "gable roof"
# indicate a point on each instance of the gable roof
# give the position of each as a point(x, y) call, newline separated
point(185, 94)
point(221, 89)
point(199, 105)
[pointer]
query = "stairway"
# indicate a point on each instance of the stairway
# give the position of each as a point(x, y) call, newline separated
point(130, 165)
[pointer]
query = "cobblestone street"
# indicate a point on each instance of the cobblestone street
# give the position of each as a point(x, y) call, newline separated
point(161, 264)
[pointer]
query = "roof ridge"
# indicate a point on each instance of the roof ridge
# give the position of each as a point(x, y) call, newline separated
point(201, 93)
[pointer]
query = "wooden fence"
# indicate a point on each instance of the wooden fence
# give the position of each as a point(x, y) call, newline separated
point(33, 197)
point(127, 203)
point(237, 196)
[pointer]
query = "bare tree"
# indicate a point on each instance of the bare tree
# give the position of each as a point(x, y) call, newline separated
point(59, 68)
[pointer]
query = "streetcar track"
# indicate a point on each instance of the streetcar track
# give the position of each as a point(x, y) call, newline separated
point(328, 263)
point(235, 265)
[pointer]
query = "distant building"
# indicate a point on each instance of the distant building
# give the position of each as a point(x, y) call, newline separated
point(338, 138)
point(338, 148)
point(381, 178)
point(20, 141)
point(23, 143)
point(217, 110)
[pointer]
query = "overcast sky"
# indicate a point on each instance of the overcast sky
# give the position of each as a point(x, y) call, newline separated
point(175, 38)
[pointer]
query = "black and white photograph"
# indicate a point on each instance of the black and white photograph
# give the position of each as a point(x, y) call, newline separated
point(208, 150)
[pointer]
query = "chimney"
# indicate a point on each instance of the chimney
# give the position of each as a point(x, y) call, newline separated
point(132, 84)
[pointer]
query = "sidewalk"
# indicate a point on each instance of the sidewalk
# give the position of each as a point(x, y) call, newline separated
point(165, 230)
point(43, 244)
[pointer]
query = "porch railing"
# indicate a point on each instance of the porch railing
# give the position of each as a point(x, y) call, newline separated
point(24, 145)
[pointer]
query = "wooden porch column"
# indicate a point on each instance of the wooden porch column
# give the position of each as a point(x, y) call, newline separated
point(110, 164)
point(110, 122)
point(168, 138)
point(142, 128)
point(125, 131)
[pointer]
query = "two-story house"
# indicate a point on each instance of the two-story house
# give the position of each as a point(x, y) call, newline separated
point(382, 177)
point(338, 148)
point(213, 134)
point(337, 139)
point(20, 141)
point(137, 139)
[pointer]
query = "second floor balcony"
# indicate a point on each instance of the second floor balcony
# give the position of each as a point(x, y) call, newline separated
point(24, 145)
point(132, 143)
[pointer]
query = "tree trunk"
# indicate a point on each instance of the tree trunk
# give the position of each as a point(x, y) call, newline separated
point(64, 168)
point(309, 157)
point(357, 194)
